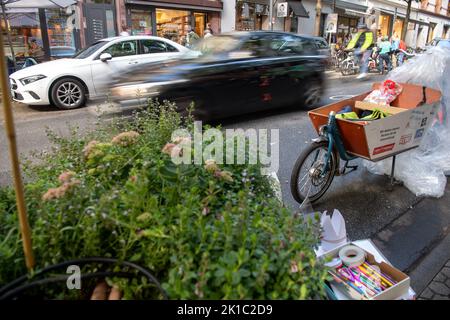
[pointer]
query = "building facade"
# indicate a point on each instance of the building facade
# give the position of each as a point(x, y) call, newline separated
point(429, 19)
point(170, 19)
point(54, 33)
point(46, 34)
point(251, 15)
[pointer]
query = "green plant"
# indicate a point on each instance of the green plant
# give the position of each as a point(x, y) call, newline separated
point(206, 231)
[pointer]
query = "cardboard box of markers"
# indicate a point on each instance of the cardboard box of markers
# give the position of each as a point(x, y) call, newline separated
point(357, 274)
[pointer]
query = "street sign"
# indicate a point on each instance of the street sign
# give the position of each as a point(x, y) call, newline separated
point(331, 23)
point(282, 10)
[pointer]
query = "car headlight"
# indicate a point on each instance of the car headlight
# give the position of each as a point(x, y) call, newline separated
point(31, 79)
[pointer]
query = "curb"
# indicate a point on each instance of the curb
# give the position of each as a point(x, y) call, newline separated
point(427, 269)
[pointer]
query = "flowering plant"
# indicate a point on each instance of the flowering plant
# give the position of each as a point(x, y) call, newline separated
point(205, 231)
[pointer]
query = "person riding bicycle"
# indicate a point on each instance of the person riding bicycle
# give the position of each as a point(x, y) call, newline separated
point(362, 43)
point(385, 55)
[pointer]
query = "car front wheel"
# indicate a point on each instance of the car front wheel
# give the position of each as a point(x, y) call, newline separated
point(312, 94)
point(68, 94)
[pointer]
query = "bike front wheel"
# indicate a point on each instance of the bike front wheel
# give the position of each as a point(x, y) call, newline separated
point(308, 179)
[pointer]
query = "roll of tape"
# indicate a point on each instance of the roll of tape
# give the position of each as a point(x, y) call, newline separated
point(335, 263)
point(352, 256)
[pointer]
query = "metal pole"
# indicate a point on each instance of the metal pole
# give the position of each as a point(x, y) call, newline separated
point(10, 131)
point(271, 14)
point(393, 22)
point(8, 35)
point(318, 15)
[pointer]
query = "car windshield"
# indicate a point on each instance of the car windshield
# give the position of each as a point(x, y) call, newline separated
point(213, 46)
point(86, 52)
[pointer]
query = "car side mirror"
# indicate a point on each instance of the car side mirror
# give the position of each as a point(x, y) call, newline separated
point(105, 57)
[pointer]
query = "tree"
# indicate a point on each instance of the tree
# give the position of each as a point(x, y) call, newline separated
point(408, 13)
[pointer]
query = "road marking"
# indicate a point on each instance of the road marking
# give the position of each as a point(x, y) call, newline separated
point(341, 96)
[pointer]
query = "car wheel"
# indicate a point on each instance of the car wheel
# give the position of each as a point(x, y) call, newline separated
point(313, 94)
point(68, 93)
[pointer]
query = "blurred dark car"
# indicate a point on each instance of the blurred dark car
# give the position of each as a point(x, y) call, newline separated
point(322, 45)
point(232, 74)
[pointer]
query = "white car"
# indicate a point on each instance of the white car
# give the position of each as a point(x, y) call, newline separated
point(66, 83)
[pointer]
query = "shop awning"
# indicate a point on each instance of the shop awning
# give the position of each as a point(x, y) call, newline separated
point(45, 4)
point(344, 5)
point(184, 4)
point(391, 12)
point(298, 9)
point(356, 13)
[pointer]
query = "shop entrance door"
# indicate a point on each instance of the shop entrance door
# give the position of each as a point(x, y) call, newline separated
point(99, 21)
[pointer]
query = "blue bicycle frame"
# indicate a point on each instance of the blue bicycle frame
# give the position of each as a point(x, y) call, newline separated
point(330, 132)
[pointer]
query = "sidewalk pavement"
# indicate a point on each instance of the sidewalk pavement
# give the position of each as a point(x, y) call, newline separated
point(435, 266)
point(439, 288)
point(418, 242)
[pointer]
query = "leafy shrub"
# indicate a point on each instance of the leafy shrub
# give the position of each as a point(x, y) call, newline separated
point(206, 231)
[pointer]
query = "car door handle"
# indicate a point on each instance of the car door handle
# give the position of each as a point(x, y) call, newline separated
point(133, 62)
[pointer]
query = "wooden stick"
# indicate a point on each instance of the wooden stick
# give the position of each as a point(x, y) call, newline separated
point(10, 131)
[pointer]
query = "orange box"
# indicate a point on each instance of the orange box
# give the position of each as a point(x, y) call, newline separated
point(378, 139)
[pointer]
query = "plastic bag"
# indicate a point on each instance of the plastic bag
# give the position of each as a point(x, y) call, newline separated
point(388, 91)
point(275, 185)
point(423, 169)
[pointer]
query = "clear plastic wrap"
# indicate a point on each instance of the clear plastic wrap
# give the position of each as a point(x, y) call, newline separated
point(423, 169)
point(388, 91)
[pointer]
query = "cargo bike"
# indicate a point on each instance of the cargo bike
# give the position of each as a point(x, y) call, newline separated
point(409, 116)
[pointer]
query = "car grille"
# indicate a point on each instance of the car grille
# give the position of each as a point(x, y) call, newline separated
point(17, 96)
point(13, 84)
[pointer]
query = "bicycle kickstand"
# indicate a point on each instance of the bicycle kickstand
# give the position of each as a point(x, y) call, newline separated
point(346, 166)
point(393, 182)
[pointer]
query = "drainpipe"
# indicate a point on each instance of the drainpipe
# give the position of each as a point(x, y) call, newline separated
point(318, 14)
point(271, 14)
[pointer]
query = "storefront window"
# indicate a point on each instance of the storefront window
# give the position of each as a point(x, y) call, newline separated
point(60, 33)
point(245, 16)
point(141, 22)
point(200, 23)
point(24, 28)
point(346, 28)
point(384, 22)
point(398, 26)
point(172, 24)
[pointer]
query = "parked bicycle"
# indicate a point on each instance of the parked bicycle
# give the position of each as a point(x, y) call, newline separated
point(319, 163)
point(350, 65)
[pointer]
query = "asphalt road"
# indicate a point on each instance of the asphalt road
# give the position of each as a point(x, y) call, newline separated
point(360, 196)
point(370, 210)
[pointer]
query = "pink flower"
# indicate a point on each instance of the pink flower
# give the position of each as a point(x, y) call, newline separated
point(167, 149)
point(56, 193)
point(205, 211)
point(211, 166)
point(294, 267)
point(125, 139)
point(89, 147)
point(66, 176)
point(198, 290)
point(226, 175)
point(172, 150)
point(181, 140)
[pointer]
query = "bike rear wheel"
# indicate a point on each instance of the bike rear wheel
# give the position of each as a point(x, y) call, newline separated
point(307, 178)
